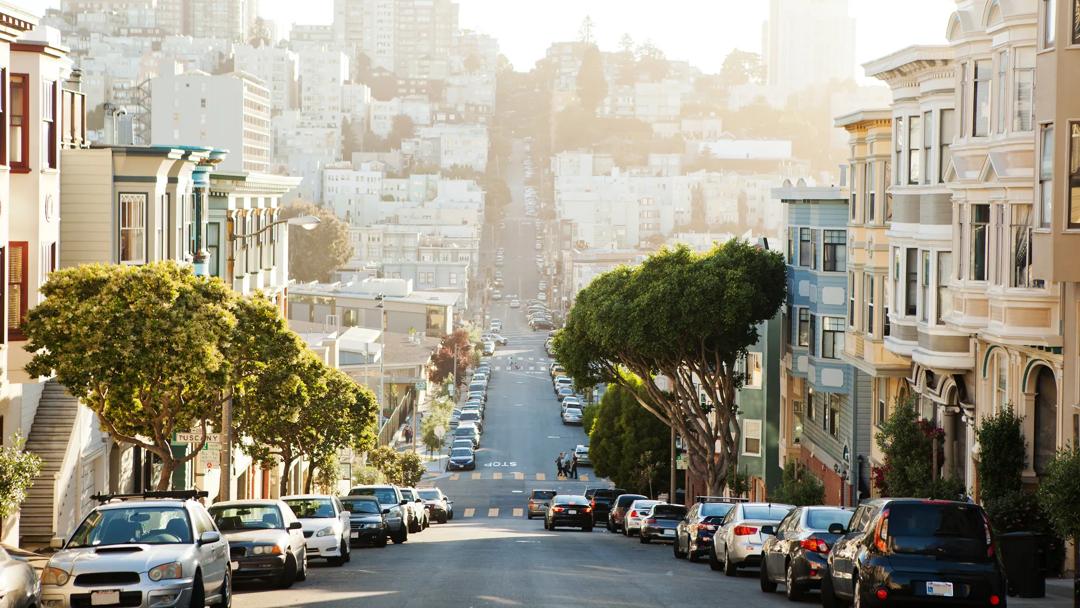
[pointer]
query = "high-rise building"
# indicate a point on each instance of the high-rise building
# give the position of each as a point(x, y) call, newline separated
point(808, 42)
point(412, 38)
point(227, 19)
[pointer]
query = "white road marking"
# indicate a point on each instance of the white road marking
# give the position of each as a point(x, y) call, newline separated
point(493, 512)
point(469, 512)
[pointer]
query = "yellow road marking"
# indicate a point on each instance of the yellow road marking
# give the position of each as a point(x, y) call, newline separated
point(519, 512)
point(455, 477)
point(496, 476)
point(584, 478)
point(540, 477)
point(519, 476)
point(476, 475)
point(470, 512)
point(493, 512)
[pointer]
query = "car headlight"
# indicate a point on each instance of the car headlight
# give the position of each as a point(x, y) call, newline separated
point(327, 531)
point(267, 550)
point(54, 576)
point(372, 526)
point(166, 571)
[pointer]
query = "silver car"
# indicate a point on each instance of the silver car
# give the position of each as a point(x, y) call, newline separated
point(162, 552)
point(19, 586)
point(739, 540)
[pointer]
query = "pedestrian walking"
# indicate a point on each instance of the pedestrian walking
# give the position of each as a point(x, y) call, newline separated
point(573, 467)
point(559, 465)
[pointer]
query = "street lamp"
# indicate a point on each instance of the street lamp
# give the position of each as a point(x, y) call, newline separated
point(307, 222)
point(382, 348)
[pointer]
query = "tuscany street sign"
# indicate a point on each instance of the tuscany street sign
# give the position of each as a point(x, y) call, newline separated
point(195, 437)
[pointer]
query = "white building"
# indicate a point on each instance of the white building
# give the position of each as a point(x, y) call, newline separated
point(381, 119)
point(454, 145)
point(808, 43)
point(323, 73)
point(277, 67)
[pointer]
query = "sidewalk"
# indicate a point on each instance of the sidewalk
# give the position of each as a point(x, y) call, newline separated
point(1059, 593)
point(436, 464)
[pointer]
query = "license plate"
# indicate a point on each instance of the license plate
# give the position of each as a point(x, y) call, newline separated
point(354, 534)
point(669, 532)
point(939, 589)
point(109, 597)
point(234, 565)
point(572, 511)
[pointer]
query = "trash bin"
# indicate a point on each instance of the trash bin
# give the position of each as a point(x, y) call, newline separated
point(1024, 556)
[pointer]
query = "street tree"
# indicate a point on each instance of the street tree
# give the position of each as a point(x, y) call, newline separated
point(1059, 493)
point(315, 253)
point(18, 469)
point(455, 346)
point(141, 346)
point(679, 323)
point(591, 83)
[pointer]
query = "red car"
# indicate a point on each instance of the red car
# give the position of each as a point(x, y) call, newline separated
point(618, 511)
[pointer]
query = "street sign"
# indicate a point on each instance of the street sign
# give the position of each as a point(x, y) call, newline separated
point(680, 462)
point(209, 457)
point(196, 437)
point(421, 386)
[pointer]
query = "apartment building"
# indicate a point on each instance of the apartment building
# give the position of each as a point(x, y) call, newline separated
point(277, 67)
point(323, 73)
point(825, 401)
point(448, 146)
point(357, 304)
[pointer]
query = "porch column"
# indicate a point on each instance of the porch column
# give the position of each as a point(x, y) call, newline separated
point(1028, 413)
point(948, 424)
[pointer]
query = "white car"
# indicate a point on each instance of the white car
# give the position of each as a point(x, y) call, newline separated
point(571, 415)
point(489, 348)
point(515, 303)
point(326, 526)
point(635, 514)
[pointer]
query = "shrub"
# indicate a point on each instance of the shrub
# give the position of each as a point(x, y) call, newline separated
point(798, 487)
point(17, 472)
point(1002, 446)
point(909, 444)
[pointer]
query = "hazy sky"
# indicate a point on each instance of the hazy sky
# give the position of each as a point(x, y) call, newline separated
point(702, 31)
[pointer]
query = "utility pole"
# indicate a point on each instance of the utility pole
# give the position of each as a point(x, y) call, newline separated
point(382, 349)
point(671, 472)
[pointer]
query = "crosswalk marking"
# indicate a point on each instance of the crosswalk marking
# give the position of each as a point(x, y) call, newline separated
point(455, 477)
point(470, 512)
point(584, 478)
point(476, 475)
point(519, 476)
point(540, 477)
point(496, 475)
point(493, 512)
point(519, 512)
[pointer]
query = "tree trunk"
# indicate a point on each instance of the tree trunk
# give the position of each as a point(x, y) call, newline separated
point(286, 471)
point(164, 483)
point(309, 482)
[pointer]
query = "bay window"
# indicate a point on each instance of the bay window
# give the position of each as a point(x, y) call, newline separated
point(898, 150)
point(927, 139)
point(871, 192)
point(924, 309)
point(851, 298)
point(832, 337)
point(944, 296)
point(1074, 175)
point(804, 326)
point(1046, 174)
point(1049, 21)
point(1020, 230)
point(813, 336)
point(980, 111)
point(914, 139)
point(132, 237)
point(834, 251)
point(1024, 89)
point(946, 132)
point(1002, 82)
point(806, 248)
point(911, 283)
point(980, 226)
point(19, 131)
point(868, 295)
point(49, 119)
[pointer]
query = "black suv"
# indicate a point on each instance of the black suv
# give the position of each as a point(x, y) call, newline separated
point(601, 500)
point(913, 551)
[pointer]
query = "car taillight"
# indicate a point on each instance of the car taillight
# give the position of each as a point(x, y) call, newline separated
point(881, 532)
point(651, 520)
point(882, 593)
point(633, 513)
point(558, 509)
point(587, 509)
point(815, 544)
point(707, 527)
point(995, 600)
point(744, 530)
point(989, 541)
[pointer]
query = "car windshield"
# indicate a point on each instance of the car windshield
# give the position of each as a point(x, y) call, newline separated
point(144, 525)
point(940, 520)
point(767, 512)
point(821, 519)
point(715, 509)
point(470, 416)
point(357, 505)
point(429, 494)
point(384, 495)
point(311, 508)
point(407, 494)
point(247, 517)
point(461, 453)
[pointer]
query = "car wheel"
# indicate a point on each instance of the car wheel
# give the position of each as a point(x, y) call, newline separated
point(828, 595)
point(793, 591)
point(225, 597)
point(381, 542)
point(767, 585)
point(856, 596)
point(730, 567)
point(347, 547)
point(675, 547)
point(587, 528)
point(301, 574)
point(692, 552)
point(644, 539)
point(288, 575)
point(198, 594)
point(401, 536)
point(340, 559)
point(714, 563)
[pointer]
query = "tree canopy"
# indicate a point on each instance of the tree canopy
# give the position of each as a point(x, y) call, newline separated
point(455, 345)
point(591, 83)
point(314, 254)
point(627, 444)
point(678, 321)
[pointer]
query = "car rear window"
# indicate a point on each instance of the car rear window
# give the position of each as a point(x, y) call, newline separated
point(715, 509)
point(569, 499)
point(765, 512)
point(543, 494)
point(385, 496)
point(937, 520)
point(821, 519)
point(625, 499)
point(608, 494)
point(668, 512)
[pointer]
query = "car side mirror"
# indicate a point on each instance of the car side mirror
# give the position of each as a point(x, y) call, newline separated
point(837, 529)
point(56, 543)
point(449, 502)
point(404, 501)
point(209, 537)
point(347, 514)
point(770, 530)
point(419, 500)
point(295, 525)
point(386, 511)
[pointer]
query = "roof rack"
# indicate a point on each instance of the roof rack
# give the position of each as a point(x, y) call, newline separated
point(174, 494)
point(719, 499)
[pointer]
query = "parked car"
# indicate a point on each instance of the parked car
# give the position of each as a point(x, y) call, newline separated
point(325, 524)
point(539, 501)
point(582, 453)
point(694, 534)
point(561, 382)
point(601, 500)
point(564, 392)
point(461, 443)
point(489, 348)
point(473, 417)
point(571, 401)
point(635, 514)
point(392, 502)
point(738, 541)
point(571, 415)
point(915, 552)
point(617, 515)
point(569, 510)
point(795, 552)
point(469, 430)
point(367, 520)
point(556, 370)
point(265, 540)
point(419, 516)
point(18, 582)
point(165, 539)
point(440, 508)
point(660, 522)
point(462, 458)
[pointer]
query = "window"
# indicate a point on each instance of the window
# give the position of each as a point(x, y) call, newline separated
point(453, 278)
point(1074, 175)
point(980, 110)
point(914, 139)
point(1000, 380)
point(804, 327)
point(871, 192)
point(213, 246)
point(813, 335)
point(834, 254)
point(851, 299)
point(868, 295)
point(1024, 89)
point(3, 115)
point(751, 437)
point(832, 337)
point(980, 225)
point(133, 227)
point(1002, 82)
point(48, 124)
point(1046, 174)
point(898, 150)
point(810, 406)
point(1049, 34)
point(18, 129)
point(911, 283)
point(924, 308)
point(1021, 238)
point(881, 413)
point(806, 251)
point(1076, 22)
point(927, 145)
point(791, 246)
point(833, 420)
point(852, 189)
point(944, 296)
point(963, 96)
point(947, 130)
point(18, 288)
point(753, 370)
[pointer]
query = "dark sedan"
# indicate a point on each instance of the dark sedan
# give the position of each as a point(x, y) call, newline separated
point(618, 510)
point(367, 521)
point(694, 534)
point(602, 499)
point(569, 510)
point(660, 522)
point(461, 459)
point(265, 540)
point(797, 552)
